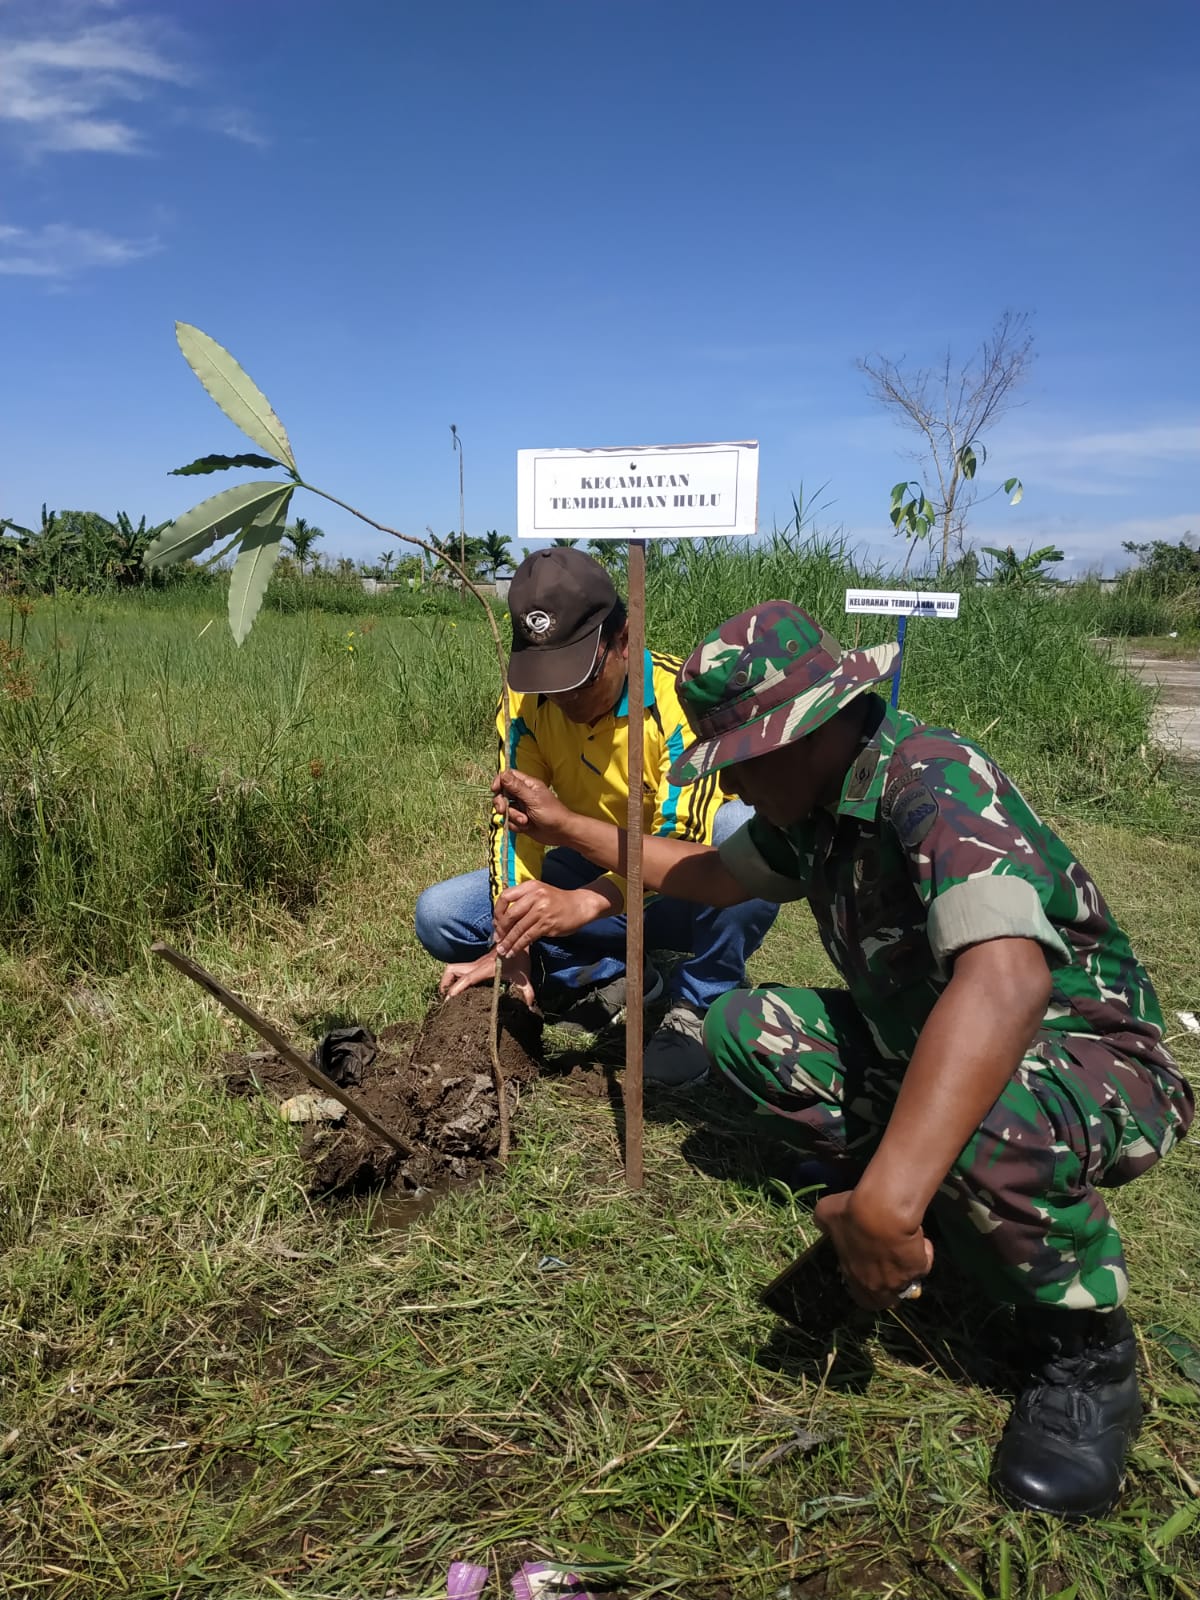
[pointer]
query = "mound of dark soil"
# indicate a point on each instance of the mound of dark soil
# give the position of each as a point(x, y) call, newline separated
point(433, 1090)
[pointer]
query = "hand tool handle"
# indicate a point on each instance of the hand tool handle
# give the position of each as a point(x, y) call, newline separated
point(271, 1034)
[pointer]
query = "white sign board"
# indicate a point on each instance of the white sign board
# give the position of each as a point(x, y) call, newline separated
point(900, 603)
point(683, 491)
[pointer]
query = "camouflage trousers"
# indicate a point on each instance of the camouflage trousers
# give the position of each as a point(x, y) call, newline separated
point(1020, 1209)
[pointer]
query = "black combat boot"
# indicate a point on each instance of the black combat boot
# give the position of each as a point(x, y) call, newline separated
point(1063, 1451)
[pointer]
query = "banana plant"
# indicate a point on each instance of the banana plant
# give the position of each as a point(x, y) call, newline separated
point(1022, 572)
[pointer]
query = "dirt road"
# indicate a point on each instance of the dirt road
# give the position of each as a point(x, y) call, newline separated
point(1177, 719)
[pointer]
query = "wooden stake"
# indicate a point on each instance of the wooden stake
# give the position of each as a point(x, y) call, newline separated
point(268, 1031)
point(634, 927)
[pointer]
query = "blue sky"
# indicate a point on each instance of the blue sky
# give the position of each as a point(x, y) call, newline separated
point(587, 223)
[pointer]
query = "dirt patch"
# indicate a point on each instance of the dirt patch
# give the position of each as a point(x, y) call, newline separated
point(862, 1576)
point(433, 1090)
point(586, 1081)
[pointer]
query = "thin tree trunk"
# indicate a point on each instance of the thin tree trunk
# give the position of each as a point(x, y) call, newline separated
point(436, 555)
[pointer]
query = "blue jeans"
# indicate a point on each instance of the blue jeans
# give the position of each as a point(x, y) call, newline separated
point(454, 923)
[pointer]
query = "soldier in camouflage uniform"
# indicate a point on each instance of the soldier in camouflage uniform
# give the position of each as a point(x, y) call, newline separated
point(995, 1060)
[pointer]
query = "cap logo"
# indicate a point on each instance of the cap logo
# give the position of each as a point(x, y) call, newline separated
point(539, 624)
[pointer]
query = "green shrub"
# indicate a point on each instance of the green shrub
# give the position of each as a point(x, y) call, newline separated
point(1018, 670)
point(292, 594)
point(154, 776)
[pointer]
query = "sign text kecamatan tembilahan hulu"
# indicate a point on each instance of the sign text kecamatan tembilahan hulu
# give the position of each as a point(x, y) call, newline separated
point(645, 492)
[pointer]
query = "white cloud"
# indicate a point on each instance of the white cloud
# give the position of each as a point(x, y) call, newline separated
point(119, 48)
point(90, 76)
point(59, 251)
point(1102, 462)
point(70, 82)
point(1143, 529)
point(75, 76)
point(1135, 447)
point(238, 125)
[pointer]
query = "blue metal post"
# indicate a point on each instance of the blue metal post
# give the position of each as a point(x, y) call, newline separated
point(901, 629)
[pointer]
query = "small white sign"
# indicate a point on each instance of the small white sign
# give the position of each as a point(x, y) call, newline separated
point(683, 491)
point(901, 603)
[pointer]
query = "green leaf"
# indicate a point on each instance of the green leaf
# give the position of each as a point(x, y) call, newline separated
point(379, 1535)
point(255, 563)
point(1180, 1394)
point(967, 461)
point(221, 464)
point(1011, 485)
point(1175, 1524)
point(237, 394)
point(594, 1555)
point(218, 555)
point(1004, 1578)
point(898, 491)
point(212, 519)
point(1182, 1351)
point(963, 1576)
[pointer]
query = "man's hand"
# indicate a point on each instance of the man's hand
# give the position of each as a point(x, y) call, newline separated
point(534, 910)
point(878, 1256)
point(460, 975)
point(530, 807)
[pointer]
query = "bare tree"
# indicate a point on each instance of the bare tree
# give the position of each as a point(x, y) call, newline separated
point(952, 408)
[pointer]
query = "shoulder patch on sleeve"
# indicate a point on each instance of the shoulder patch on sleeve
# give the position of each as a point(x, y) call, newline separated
point(912, 811)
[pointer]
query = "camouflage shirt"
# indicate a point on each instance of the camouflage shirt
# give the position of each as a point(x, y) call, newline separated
point(930, 848)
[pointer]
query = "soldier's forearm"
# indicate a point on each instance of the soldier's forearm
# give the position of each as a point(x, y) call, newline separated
point(969, 1048)
point(691, 872)
point(677, 867)
point(599, 841)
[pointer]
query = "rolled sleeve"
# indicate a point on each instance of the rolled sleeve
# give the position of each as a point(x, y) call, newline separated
point(741, 856)
point(991, 906)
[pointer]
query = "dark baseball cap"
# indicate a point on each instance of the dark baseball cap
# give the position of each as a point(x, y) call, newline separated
point(559, 600)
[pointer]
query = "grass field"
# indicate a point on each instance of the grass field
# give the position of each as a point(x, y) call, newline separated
point(212, 1388)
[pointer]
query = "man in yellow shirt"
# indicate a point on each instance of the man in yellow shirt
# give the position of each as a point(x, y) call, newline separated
point(569, 727)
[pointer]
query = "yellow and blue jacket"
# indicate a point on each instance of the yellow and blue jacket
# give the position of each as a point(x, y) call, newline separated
point(588, 769)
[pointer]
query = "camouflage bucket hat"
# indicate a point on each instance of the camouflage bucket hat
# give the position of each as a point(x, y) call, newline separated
point(767, 678)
